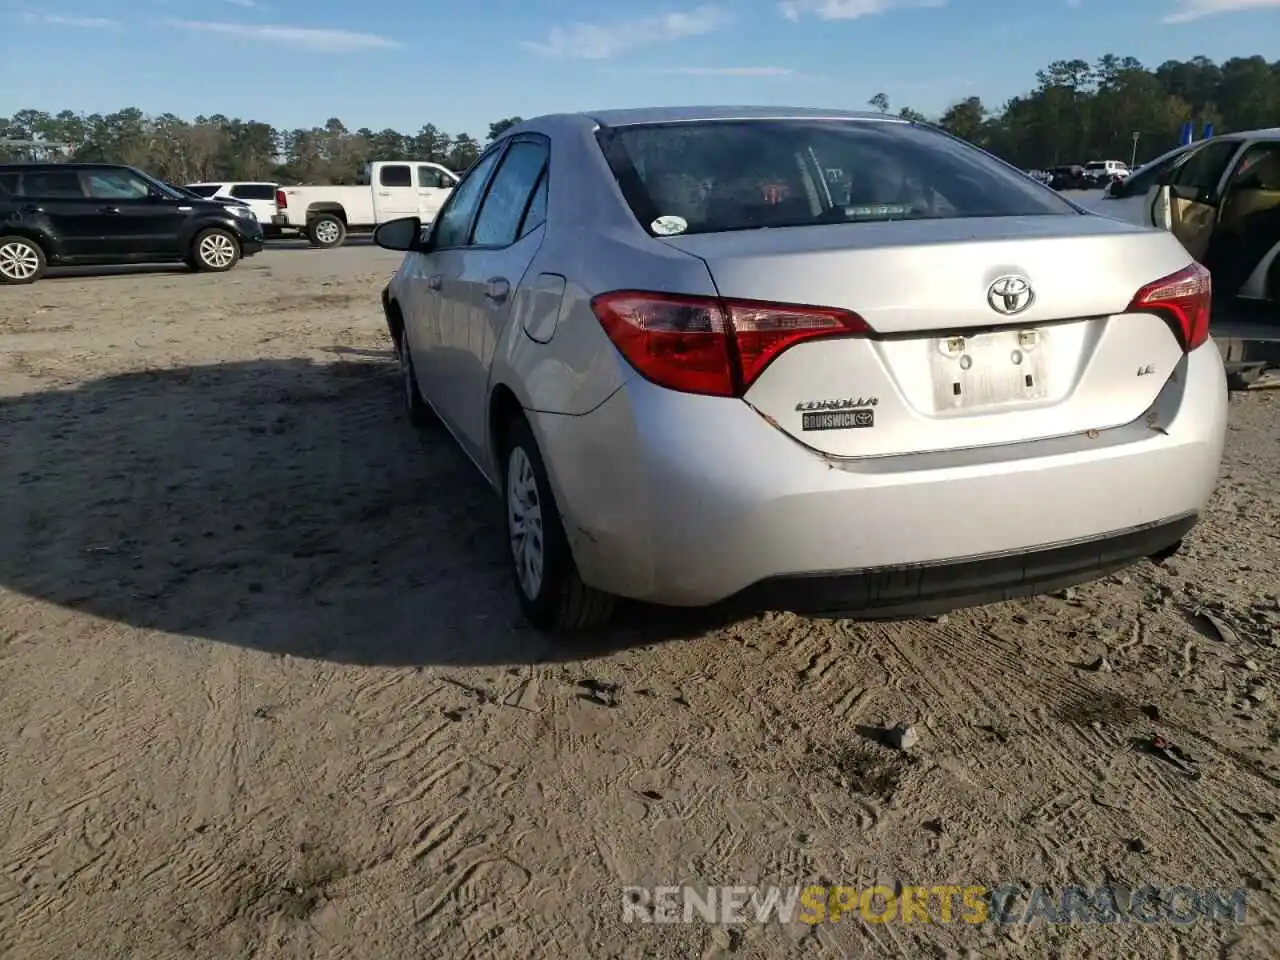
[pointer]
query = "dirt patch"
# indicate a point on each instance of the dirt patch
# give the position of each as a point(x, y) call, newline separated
point(266, 691)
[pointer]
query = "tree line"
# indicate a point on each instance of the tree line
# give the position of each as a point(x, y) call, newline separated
point(1113, 109)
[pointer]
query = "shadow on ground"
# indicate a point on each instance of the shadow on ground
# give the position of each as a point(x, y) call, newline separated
point(281, 506)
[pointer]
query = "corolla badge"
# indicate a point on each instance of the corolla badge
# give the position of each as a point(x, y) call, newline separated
point(1010, 295)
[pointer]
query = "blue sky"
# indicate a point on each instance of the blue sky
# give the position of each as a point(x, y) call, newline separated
point(462, 64)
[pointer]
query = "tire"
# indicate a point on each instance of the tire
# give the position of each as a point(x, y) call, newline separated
point(326, 231)
point(21, 260)
point(214, 251)
point(416, 409)
point(547, 584)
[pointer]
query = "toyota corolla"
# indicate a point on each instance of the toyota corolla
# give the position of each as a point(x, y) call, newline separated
point(830, 362)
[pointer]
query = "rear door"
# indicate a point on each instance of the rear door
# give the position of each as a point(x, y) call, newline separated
point(394, 193)
point(1240, 255)
point(479, 298)
point(57, 194)
point(1187, 203)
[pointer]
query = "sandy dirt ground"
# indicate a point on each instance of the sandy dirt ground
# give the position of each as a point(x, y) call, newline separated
point(264, 690)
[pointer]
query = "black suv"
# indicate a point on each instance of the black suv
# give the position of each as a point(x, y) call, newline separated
point(62, 214)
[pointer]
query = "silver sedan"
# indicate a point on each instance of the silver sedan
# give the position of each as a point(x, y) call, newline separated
point(830, 362)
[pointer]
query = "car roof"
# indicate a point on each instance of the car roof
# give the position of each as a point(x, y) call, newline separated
point(587, 119)
point(622, 118)
point(47, 165)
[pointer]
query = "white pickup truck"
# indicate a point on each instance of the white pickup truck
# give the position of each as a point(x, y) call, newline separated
point(397, 188)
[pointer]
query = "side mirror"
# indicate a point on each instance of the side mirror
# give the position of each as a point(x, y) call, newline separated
point(403, 234)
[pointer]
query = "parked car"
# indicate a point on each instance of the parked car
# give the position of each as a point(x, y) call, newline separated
point(1221, 199)
point(395, 189)
point(259, 196)
point(1069, 177)
point(1100, 173)
point(889, 400)
point(56, 214)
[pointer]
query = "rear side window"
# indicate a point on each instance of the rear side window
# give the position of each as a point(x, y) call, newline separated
point(51, 184)
point(253, 191)
point(508, 198)
point(205, 189)
point(397, 176)
point(745, 174)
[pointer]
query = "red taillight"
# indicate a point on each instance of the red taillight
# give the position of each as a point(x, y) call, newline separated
point(709, 345)
point(282, 201)
point(1183, 299)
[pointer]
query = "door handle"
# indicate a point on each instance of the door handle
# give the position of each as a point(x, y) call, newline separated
point(31, 209)
point(496, 289)
point(433, 282)
point(108, 209)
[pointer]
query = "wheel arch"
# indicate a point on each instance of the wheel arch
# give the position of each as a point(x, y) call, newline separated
point(47, 243)
point(395, 318)
point(331, 207)
point(504, 406)
point(197, 227)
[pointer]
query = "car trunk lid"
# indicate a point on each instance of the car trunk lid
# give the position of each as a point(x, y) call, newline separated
point(948, 366)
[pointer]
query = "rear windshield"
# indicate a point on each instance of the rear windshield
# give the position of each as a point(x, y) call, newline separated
point(714, 176)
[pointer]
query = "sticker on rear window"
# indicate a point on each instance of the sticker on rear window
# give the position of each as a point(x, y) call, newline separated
point(669, 226)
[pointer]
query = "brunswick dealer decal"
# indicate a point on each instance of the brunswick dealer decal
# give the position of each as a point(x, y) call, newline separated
point(845, 413)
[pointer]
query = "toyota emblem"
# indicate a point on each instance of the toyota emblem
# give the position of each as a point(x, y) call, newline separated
point(1010, 295)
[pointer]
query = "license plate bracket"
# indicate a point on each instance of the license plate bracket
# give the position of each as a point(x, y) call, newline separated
point(989, 369)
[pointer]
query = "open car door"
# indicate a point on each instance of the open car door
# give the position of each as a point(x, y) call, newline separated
point(1247, 241)
point(1185, 201)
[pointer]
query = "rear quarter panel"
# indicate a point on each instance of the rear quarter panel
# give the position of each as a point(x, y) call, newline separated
point(356, 202)
point(14, 220)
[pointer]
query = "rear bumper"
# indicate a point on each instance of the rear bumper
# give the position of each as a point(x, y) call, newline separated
point(689, 501)
point(928, 589)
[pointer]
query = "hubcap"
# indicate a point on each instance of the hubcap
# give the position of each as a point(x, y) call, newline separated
point(217, 250)
point(327, 231)
point(18, 260)
point(524, 522)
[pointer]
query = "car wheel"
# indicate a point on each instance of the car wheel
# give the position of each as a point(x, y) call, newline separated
point(416, 409)
point(21, 260)
point(551, 593)
point(326, 231)
point(215, 251)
